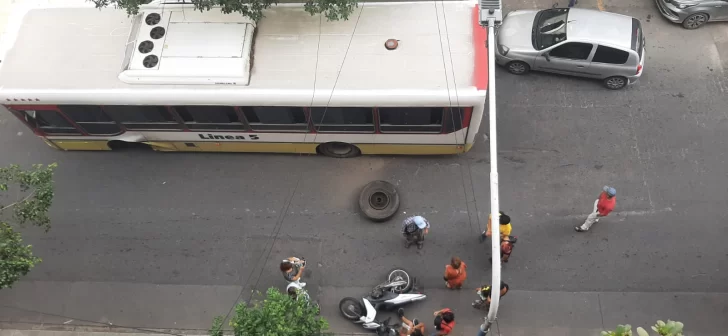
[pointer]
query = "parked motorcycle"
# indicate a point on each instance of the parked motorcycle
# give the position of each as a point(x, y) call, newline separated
point(398, 290)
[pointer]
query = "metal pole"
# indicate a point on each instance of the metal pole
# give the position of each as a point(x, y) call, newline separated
point(494, 205)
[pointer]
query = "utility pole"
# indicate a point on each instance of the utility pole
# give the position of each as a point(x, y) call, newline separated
point(491, 15)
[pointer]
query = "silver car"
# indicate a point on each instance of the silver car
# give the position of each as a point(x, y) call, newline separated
point(693, 14)
point(577, 42)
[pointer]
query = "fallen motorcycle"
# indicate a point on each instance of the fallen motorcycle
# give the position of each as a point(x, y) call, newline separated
point(398, 290)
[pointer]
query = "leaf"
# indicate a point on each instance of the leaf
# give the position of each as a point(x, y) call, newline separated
point(16, 259)
point(332, 10)
point(642, 332)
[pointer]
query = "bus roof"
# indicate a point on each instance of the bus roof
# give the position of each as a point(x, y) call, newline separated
point(82, 51)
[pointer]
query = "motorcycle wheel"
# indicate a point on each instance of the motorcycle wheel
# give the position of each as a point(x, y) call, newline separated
point(351, 308)
point(398, 274)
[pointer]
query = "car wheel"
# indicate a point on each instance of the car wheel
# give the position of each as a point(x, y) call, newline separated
point(339, 150)
point(518, 67)
point(379, 201)
point(615, 82)
point(695, 21)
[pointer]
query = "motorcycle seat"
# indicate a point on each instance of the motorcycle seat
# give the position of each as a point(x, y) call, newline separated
point(381, 298)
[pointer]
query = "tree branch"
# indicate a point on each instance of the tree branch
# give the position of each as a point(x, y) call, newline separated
point(21, 201)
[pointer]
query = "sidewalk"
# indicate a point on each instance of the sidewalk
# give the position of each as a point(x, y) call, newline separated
point(77, 307)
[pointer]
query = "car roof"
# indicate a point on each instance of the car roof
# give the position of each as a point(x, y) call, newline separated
point(599, 27)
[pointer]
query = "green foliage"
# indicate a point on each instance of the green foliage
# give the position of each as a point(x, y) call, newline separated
point(622, 330)
point(332, 9)
point(275, 315)
point(216, 329)
point(16, 259)
point(31, 194)
point(671, 328)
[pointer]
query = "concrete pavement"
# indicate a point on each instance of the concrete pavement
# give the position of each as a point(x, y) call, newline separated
point(189, 309)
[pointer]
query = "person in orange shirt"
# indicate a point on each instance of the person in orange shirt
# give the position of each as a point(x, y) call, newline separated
point(455, 273)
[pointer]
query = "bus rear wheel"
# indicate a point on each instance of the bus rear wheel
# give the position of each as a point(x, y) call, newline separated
point(338, 150)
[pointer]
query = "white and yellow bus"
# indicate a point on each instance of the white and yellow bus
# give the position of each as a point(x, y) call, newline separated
point(396, 78)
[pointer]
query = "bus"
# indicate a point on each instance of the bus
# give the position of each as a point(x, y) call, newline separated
point(395, 78)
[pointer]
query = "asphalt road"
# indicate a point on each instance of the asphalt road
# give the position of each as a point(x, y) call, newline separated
point(227, 219)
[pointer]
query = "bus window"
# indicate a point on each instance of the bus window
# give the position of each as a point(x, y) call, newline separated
point(276, 118)
point(142, 116)
point(454, 119)
point(210, 117)
point(49, 121)
point(410, 119)
point(343, 119)
point(91, 118)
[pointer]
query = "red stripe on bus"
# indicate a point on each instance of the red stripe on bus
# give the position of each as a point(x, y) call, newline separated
point(467, 114)
point(480, 37)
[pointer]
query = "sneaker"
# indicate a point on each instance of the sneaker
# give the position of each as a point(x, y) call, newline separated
point(579, 229)
point(400, 312)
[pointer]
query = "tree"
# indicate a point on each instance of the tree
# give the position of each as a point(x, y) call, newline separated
point(671, 328)
point(276, 315)
point(332, 9)
point(31, 195)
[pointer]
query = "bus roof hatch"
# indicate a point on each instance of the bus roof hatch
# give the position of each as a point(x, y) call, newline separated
point(180, 45)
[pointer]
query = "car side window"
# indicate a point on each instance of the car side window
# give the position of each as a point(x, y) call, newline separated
point(610, 55)
point(572, 50)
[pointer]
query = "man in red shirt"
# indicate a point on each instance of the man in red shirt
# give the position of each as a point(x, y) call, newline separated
point(602, 207)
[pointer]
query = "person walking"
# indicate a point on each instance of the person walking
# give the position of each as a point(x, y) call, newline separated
point(602, 207)
point(414, 230)
point(455, 273)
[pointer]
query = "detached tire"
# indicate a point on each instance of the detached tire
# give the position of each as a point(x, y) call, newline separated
point(379, 201)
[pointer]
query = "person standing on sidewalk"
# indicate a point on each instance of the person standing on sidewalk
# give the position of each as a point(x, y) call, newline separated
point(455, 273)
point(602, 207)
point(414, 230)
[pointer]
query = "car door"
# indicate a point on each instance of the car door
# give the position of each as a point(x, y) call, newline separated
point(718, 10)
point(569, 58)
point(608, 61)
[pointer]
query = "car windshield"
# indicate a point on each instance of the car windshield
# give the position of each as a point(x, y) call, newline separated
point(549, 27)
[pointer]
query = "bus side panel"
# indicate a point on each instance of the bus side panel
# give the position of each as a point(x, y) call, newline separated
point(84, 145)
point(476, 119)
